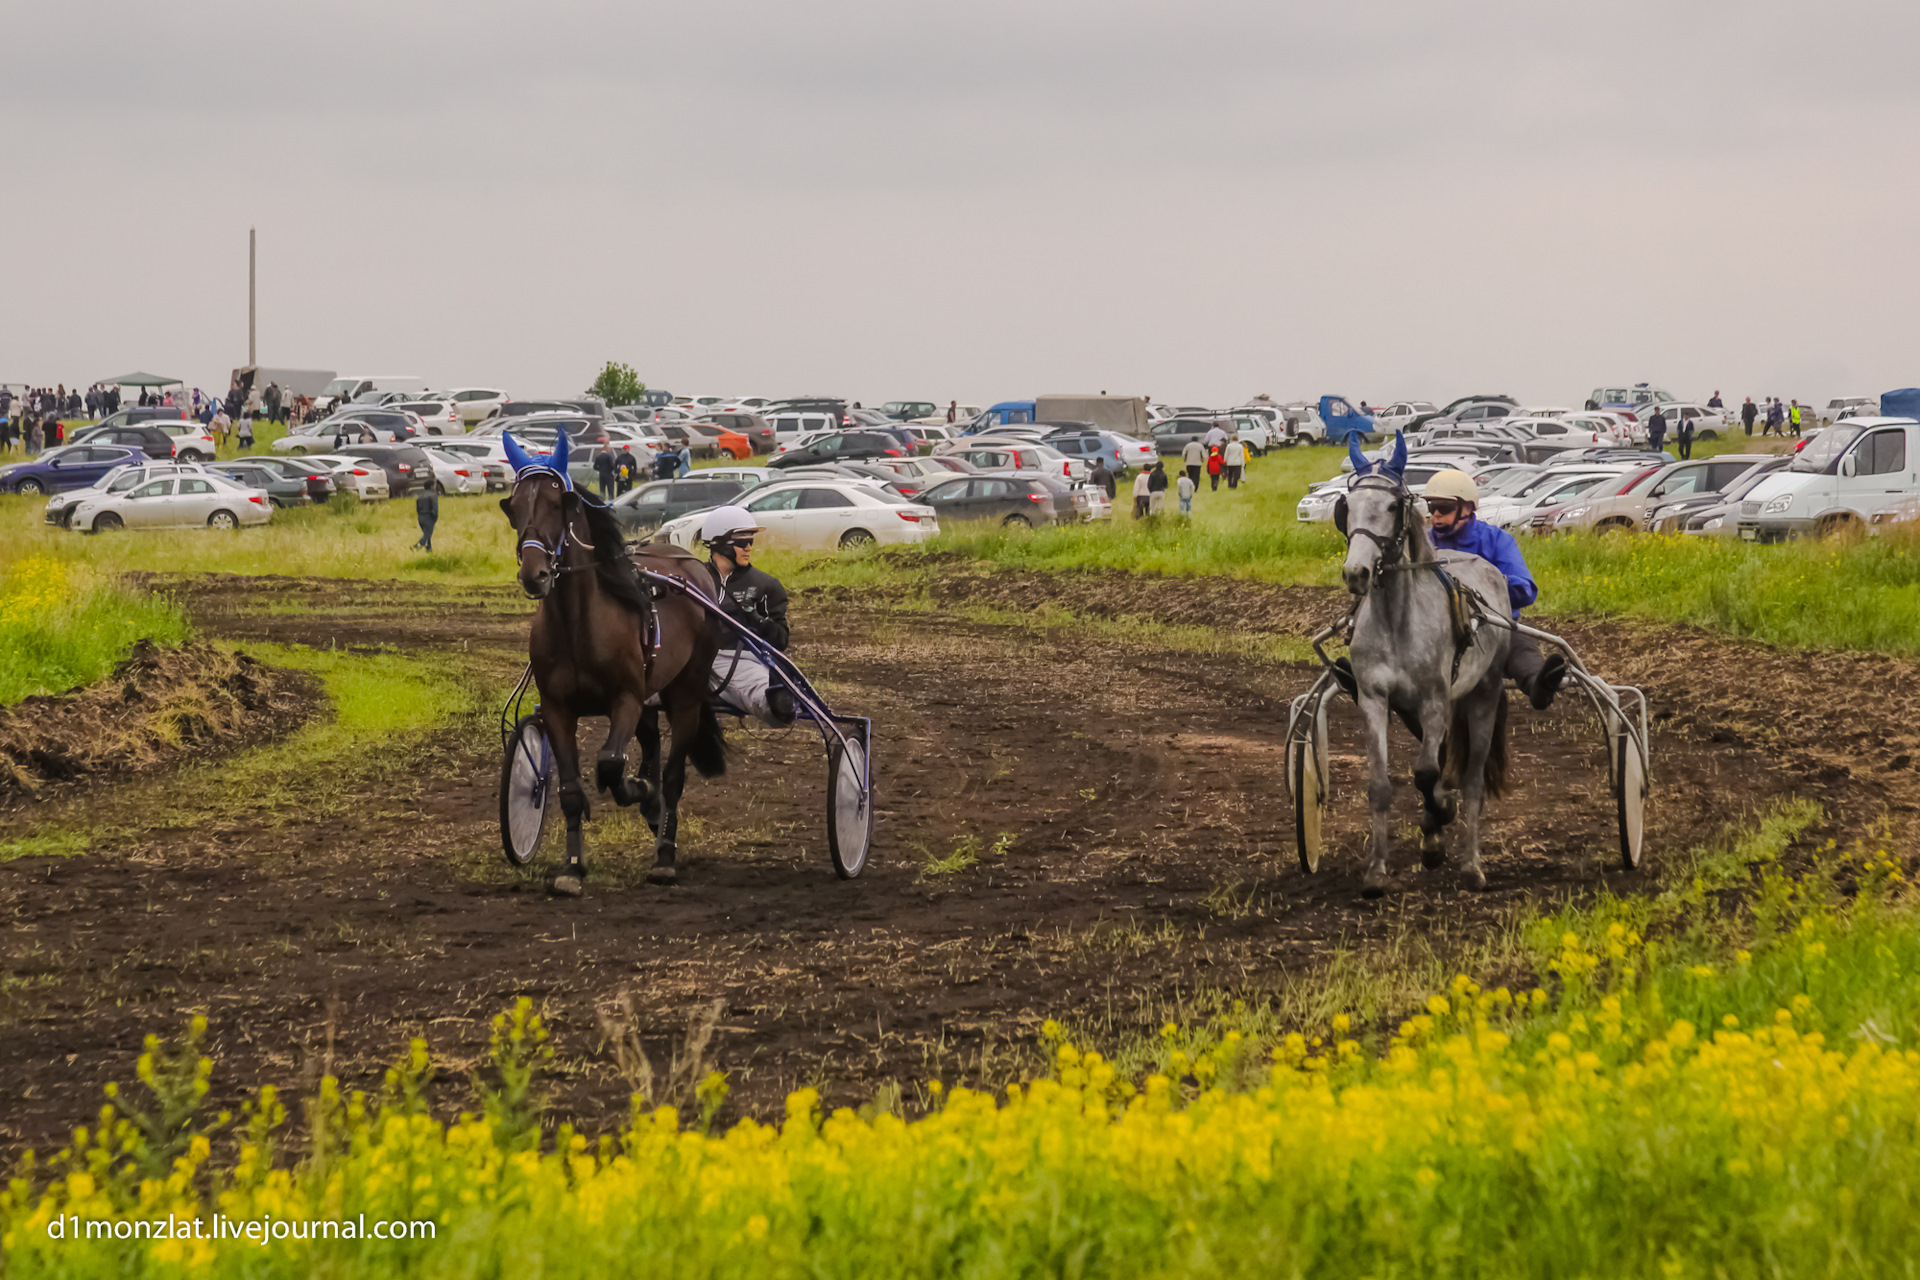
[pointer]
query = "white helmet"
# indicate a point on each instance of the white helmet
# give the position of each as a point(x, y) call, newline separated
point(1457, 485)
point(724, 522)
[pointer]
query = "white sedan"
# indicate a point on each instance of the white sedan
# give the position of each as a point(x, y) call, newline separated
point(175, 502)
point(365, 480)
point(456, 473)
point(822, 515)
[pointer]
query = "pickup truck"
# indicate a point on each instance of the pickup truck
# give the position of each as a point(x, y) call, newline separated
point(1838, 481)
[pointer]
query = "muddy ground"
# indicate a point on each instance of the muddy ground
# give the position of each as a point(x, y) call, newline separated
point(1124, 798)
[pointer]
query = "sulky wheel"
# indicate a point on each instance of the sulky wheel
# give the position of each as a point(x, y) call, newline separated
point(1630, 791)
point(849, 805)
point(526, 791)
point(1307, 779)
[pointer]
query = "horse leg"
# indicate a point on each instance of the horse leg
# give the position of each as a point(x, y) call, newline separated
point(649, 780)
point(1373, 711)
point(1438, 803)
point(683, 719)
point(562, 730)
point(1482, 722)
point(610, 771)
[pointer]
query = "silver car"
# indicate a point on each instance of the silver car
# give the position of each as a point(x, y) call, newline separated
point(175, 502)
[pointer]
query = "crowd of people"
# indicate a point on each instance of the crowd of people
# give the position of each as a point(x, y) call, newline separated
point(618, 471)
point(1218, 455)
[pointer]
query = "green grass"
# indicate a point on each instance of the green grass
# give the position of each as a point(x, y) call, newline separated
point(64, 624)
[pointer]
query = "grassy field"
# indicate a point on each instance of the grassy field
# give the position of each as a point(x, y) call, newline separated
point(1682, 1093)
point(64, 624)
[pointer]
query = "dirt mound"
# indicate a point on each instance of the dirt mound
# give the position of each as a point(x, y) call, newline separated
point(156, 706)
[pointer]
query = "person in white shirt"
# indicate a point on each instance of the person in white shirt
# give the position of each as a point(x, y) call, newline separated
point(1184, 487)
point(1141, 492)
point(1236, 460)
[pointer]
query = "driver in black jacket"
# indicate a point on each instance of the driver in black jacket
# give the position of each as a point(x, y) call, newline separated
point(754, 598)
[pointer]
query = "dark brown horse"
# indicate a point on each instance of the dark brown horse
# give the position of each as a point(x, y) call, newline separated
point(602, 644)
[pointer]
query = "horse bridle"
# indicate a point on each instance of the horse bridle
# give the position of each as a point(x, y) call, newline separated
point(1393, 546)
point(566, 528)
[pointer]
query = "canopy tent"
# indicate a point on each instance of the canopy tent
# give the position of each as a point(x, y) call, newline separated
point(141, 380)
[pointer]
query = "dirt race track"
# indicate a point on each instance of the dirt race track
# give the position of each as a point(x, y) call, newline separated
point(1149, 852)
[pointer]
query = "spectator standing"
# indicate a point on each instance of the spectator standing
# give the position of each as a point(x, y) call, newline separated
point(1793, 418)
point(1193, 457)
point(426, 508)
point(272, 401)
point(254, 403)
point(1184, 488)
point(1216, 437)
point(1102, 478)
point(1776, 417)
point(1157, 489)
point(1747, 414)
point(663, 464)
point(953, 412)
point(626, 468)
point(222, 425)
point(686, 460)
point(1236, 457)
point(246, 435)
point(1714, 402)
point(1657, 430)
point(604, 467)
point(1684, 434)
point(33, 436)
point(1141, 493)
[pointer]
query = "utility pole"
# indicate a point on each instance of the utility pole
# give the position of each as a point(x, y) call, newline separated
point(252, 254)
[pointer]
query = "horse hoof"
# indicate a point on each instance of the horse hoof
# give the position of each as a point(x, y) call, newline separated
point(567, 885)
point(1433, 855)
point(1375, 884)
point(1476, 878)
point(662, 874)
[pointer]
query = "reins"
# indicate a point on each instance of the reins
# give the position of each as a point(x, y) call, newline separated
point(566, 533)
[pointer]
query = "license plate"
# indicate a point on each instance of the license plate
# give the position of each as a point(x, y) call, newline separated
point(1751, 535)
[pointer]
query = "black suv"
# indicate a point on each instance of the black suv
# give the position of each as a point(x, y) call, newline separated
point(152, 441)
point(406, 466)
point(842, 446)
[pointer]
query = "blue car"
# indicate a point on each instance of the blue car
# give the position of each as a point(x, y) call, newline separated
point(73, 466)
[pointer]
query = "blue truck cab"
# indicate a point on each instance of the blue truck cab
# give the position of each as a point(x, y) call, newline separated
point(1343, 419)
point(1004, 414)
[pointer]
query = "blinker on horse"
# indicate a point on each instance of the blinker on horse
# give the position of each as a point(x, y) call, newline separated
point(1410, 658)
point(602, 644)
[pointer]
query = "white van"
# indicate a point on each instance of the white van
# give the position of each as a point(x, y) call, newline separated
point(788, 428)
point(1842, 476)
point(346, 390)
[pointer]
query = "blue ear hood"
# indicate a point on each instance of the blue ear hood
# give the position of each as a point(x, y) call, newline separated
point(516, 456)
point(1360, 464)
point(1398, 463)
point(565, 442)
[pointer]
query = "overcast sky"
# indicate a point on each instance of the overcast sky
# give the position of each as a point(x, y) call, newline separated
point(1199, 201)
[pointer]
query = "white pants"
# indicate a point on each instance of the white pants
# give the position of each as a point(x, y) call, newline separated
point(746, 691)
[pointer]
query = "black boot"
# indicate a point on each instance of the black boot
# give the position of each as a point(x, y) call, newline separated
point(1547, 683)
point(780, 705)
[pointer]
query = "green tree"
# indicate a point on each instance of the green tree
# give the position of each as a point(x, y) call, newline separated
point(618, 384)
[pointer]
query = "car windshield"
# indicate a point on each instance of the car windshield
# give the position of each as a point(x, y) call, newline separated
point(1739, 488)
point(1822, 453)
point(1510, 482)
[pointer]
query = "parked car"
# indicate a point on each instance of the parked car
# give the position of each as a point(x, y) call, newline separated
point(455, 473)
point(281, 490)
point(1452, 409)
point(647, 507)
point(1841, 407)
point(1120, 452)
point(406, 465)
point(921, 473)
point(1172, 436)
point(1625, 508)
point(350, 426)
point(823, 514)
point(70, 466)
point(908, 410)
point(1691, 513)
point(476, 403)
point(1638, 399)
point(133, 473)
point(489, 456)
point(1009, 499)
point(589, 406)
point(1551, 488)
point(140, 414)
point(708, 440)
point(1904, 511)
point(319, 482)
point(174, 502)
point(929, 436)
point(149, 439)
point(747, 476)
point(838, 445)
point(1399, 415)
point(1563, 432)
point(1840, 479)
point(364, 480)
point(438, 417)
point(757, 430)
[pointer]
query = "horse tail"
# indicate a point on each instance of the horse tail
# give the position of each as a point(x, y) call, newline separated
point(1459, 744)
point(708, 751)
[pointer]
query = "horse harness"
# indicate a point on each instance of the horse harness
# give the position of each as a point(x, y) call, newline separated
point(1464, 610)
point(649, 616)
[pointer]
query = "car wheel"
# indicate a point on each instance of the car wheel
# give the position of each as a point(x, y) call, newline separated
point(195, 455)
point(1017, 522)
point(107, 520)
point(222, 520)
point(855, 538)
point(1709, 435)
point(1837, 525)
point(1614, 526)
point(30, 487)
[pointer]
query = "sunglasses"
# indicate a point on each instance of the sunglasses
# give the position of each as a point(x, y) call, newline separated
point(1442, 506)
point(743, 542)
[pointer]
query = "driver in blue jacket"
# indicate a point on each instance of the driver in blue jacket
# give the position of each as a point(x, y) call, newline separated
point(1451, 499)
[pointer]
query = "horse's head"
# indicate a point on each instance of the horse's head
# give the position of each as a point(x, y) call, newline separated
point(540, 508)
point(1374, 515)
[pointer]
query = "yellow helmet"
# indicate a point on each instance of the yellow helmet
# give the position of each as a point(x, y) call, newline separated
point(1453, 484)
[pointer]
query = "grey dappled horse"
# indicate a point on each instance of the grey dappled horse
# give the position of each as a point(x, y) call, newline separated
point(1406, 660)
